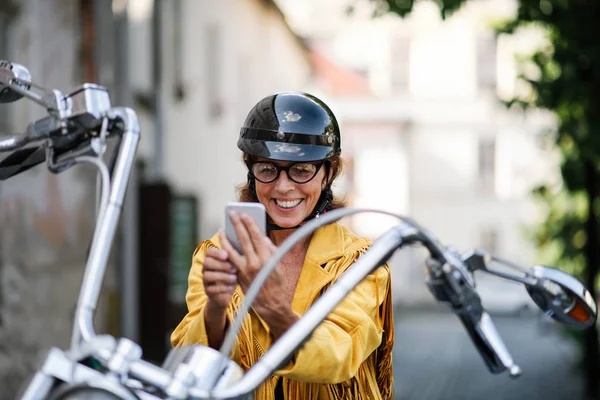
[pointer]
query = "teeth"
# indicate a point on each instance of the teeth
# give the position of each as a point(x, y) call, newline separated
point(287, 204)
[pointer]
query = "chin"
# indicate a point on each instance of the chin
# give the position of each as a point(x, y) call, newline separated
point(288, 222)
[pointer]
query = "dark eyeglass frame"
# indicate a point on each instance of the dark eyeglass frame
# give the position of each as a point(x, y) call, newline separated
point(317, 164)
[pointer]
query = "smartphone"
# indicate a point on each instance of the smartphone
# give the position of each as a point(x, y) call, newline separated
point(256, 211)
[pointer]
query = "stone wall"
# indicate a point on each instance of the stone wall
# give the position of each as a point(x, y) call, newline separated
point(46, 220)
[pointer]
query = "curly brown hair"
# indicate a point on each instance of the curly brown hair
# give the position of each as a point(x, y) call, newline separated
point(246, 194)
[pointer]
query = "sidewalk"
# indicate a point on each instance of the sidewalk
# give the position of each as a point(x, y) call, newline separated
point(435, 360)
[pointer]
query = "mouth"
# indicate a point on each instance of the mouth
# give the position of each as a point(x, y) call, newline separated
point(287, 204)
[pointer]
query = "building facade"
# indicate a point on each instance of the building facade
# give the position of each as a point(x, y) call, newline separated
point(431, 139)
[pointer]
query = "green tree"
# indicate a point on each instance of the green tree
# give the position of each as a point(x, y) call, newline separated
point(568, 84)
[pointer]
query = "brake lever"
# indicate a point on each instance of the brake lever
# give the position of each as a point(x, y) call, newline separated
point(51, 100)
point(455, 286)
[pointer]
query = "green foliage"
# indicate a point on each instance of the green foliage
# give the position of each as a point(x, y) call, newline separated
point(567, 84)
point(561, 237)
point(404, 7)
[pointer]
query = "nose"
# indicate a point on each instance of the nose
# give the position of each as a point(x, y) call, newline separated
point(283, 183)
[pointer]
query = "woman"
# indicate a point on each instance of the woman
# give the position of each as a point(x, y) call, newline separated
point(291, 146)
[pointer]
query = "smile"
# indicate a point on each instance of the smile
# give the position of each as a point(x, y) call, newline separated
point(287, 203)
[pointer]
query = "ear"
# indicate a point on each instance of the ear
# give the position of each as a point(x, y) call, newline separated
point(326, 182)
point(251, 184)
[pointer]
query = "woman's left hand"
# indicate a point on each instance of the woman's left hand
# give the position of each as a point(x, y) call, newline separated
point(270, 303)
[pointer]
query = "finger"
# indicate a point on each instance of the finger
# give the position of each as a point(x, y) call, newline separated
point(270, 245)
point(218, 290)
point(216, 253)
point(234, 257)
point(277, 272)
point(218, 287)
point(256, 236)
point(243, 236)
point(244, 273)
point(213, 264)
point(218, 277)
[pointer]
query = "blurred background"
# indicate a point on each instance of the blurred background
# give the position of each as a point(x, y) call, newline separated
point(478, 118)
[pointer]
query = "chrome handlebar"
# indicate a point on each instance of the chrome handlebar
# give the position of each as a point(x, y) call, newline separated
point(200, 372)
point(78, 112)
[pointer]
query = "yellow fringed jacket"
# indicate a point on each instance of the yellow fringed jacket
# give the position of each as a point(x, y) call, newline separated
point(349, 356)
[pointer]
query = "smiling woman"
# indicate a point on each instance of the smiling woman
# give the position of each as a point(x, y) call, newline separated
point(313, 180)
point(291, 145)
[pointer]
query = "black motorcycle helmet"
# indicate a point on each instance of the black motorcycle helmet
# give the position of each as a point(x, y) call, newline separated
point(296, 127)
point(290, 126)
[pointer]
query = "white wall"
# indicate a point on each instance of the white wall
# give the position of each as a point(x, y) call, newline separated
point(46, 220)
point(256, 55)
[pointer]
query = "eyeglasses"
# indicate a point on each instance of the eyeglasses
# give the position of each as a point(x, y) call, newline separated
point(301, 172)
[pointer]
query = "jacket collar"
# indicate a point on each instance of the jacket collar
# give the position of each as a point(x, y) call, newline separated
point(326, 244)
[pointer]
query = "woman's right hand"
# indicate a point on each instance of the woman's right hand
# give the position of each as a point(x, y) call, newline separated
point(219, 279)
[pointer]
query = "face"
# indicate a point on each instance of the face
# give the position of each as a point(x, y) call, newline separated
point(289, 203)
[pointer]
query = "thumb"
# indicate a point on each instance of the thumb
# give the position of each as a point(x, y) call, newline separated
point(270, 245)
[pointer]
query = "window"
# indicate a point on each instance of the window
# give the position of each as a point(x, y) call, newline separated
point(178, 45)
point(486, 62)
point(487, 165)
point(488, 240)
point(245, 85)
point(213, 72)
point(400, 59)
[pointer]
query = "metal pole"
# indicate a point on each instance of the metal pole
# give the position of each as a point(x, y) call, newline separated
point(156, 168)
point(128, 254)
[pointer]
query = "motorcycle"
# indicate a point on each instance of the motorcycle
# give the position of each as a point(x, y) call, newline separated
point(77, 129)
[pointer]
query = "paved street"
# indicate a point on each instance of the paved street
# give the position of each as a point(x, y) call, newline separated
point(434, 360)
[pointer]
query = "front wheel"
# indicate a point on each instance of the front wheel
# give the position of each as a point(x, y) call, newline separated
point(91, 391)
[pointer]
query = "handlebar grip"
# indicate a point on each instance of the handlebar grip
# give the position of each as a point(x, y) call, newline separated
point(451, 284)
point(488, 342)
point(36, 131)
